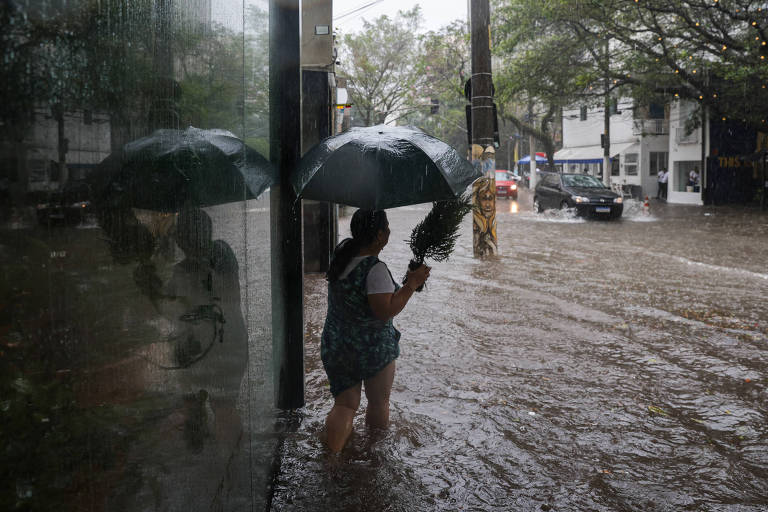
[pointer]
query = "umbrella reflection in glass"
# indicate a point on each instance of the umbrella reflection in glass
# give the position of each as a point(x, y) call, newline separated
point(382, 167)
point(172, 168)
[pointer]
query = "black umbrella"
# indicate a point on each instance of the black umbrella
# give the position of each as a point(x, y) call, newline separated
point(172, 168)
point(382, 167)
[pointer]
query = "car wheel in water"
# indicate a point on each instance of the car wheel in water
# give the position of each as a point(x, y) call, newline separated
point(564, 205)
point(537, 205)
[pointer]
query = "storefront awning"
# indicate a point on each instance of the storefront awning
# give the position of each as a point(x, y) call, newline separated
point(588, 154)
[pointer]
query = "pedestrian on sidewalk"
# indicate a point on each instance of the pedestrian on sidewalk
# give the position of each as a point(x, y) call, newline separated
point(693, 179)
point(359, 343)
point(663, 179)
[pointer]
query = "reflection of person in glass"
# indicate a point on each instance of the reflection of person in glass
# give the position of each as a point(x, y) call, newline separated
point(209, 338)
point(484, 219)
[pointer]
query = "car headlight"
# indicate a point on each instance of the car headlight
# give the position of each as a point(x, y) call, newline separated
point(581, 199)
point(513, 186)
point(618, 200)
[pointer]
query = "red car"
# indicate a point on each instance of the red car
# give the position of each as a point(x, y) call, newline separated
point(506, 184)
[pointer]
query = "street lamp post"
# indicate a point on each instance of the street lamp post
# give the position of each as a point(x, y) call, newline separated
point(509, 156)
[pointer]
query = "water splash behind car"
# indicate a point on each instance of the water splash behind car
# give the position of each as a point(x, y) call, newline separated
point(587, 194)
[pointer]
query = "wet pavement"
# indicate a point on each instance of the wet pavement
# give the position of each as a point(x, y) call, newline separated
point(591, 366)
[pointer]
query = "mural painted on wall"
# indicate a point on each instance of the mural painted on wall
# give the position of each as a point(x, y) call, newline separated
point(484, 240)
point(484, 218)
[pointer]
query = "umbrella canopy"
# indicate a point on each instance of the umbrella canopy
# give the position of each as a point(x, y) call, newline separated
point(540, 157)
point(381, 167)
point(173, 168)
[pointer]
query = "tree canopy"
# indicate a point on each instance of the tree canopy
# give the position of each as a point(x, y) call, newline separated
point(381, 64)
point(710, 51)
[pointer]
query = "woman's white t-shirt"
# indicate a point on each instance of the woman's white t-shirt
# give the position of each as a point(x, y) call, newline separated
point(378, 280)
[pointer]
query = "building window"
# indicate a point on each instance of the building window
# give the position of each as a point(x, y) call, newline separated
point(656, 111)
point(657, 161)
point(682, 173)
point(9, 169)
point(630, 164)
point(614, 106)
point(54, 170)
point(583, 113)
point(38, 172)
point(614, 166)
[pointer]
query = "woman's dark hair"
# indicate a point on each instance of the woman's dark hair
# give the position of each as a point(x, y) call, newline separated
point(365, 225)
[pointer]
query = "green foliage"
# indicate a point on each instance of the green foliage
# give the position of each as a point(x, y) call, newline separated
point(445, 65)
point(107, 56)
point(380, 62)
point(715, 52)
point(435, 235)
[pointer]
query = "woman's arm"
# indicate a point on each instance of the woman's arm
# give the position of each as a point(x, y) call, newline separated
point(388, 305)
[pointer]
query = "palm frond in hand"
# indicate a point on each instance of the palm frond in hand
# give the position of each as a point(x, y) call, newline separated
point(435, 235)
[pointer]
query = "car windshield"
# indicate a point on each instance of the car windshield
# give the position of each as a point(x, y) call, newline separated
point(502, 175)
point(582, 180)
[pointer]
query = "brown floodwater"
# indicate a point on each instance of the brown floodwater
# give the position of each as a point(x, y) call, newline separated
point(591, 366)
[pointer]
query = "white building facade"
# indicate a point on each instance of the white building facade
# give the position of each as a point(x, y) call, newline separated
point(642, 142)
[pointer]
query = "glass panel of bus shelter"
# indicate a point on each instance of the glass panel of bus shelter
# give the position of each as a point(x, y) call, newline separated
point(135, 331)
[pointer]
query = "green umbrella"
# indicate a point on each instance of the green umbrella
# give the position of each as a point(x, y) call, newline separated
point(382, 167)
point(170, 169)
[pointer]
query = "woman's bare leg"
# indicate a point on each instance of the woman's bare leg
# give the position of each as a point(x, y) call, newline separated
point(338, 424)
point(377, 390)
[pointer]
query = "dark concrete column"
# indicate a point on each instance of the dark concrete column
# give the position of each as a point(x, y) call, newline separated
point(285, 211)
point(319, 218)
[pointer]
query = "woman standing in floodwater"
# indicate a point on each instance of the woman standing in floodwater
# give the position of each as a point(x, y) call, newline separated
point(359, 343)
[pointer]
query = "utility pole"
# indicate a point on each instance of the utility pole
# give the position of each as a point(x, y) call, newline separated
point(606, 121)
point(532, 149)
point(485, 242)
point(532, 155)
point(285, 211)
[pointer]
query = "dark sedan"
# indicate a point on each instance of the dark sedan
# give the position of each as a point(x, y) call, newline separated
point(585, 193)
point(69, 206)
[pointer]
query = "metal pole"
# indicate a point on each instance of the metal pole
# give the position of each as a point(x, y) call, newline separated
point(485, 242)
point(607, 123)
point(703, 177)
point(532, 143)
point(285, 211)
point(531, 149)
point(509, 156)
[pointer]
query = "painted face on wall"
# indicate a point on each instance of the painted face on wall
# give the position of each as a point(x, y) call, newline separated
point(487, 203)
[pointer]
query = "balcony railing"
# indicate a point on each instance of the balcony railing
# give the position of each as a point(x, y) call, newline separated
point(686, 138)
point(650, 127)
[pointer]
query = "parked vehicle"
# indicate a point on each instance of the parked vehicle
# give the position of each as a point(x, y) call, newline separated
point(585, 193)
point(506, 184)
point(525, 179)
point(68, 206)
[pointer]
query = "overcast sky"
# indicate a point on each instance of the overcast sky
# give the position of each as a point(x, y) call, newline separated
point(348, 15)
point(435, 13)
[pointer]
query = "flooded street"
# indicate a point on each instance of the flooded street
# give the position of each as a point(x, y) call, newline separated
point(592, 366)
